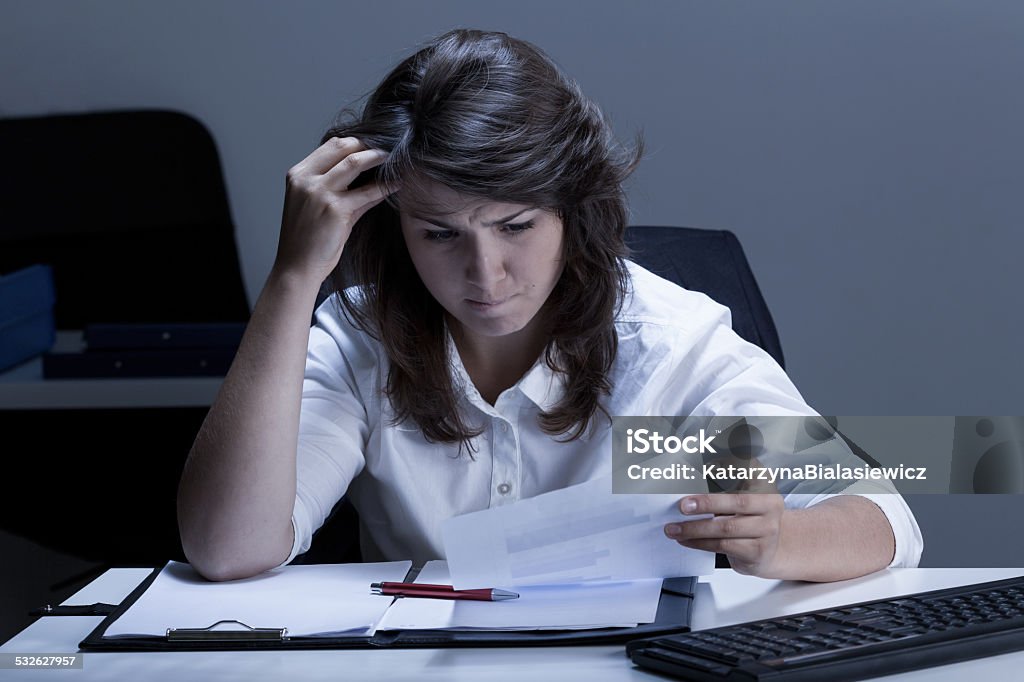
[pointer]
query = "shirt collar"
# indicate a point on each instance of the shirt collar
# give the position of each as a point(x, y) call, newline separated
point(461, 382)
point(540, 384)
point(543, 386)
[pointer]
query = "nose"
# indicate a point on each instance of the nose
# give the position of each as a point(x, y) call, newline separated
point(485, 266)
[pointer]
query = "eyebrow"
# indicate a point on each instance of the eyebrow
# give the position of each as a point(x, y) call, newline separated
point(499, 221)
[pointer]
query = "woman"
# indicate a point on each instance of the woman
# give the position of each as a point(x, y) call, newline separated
point(478, 201)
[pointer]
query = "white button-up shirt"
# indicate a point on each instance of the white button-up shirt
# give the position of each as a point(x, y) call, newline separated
point(677, 356)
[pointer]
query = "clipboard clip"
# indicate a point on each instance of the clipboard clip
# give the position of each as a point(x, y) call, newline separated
point(208, 634)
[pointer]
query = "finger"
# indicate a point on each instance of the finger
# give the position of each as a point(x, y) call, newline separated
point(327, 155)
point(720, 527)
point(738, 549)
point(360, 198)
point(347, 169)
point(728, 503)
point(365, 198)
point(756, 487)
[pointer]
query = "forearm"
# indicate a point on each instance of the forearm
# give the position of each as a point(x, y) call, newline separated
point(237, 490)
point(839, 538)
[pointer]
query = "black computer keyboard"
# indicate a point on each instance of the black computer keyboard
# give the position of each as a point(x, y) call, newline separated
point(851, 642)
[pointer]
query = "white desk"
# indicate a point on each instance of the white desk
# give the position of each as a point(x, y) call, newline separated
point(722, 598)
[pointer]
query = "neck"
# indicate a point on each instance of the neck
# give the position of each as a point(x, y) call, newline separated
point(496, 363)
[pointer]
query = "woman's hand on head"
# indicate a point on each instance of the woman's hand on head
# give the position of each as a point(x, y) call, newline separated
point(320, 210)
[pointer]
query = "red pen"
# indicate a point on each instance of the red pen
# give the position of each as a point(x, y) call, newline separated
point(426, 591)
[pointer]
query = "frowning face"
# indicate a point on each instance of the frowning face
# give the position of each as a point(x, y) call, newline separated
point(491, 265)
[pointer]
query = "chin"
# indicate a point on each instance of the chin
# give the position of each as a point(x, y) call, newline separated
point(496, 329)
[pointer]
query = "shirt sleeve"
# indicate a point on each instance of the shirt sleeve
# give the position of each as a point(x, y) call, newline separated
point(333, 423)
point(721, 373)
point(731, 377)
point(905, 531)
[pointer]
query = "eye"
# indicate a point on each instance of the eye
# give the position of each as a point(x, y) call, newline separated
point(439, 236)
point(518, 228)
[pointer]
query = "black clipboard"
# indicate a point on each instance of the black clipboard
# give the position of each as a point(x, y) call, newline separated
point(673, 616)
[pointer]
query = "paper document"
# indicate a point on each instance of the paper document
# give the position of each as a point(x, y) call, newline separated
point(541, 607)
point(575, 534)
point(312, 601)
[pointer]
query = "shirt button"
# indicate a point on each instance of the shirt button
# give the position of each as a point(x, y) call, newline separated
point(504, 488)
point(504, 427)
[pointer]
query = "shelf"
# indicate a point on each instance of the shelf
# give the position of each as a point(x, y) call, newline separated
point(23, 388)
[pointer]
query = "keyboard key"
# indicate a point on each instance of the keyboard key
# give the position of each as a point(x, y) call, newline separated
point(692, 661)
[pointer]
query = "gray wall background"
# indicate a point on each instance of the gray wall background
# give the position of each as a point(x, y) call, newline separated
point(867, 154)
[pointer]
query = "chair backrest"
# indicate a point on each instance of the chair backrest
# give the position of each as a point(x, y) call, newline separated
point(712, 262)
point(130, 210)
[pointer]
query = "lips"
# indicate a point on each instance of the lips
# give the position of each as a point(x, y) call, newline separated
point(488, 303)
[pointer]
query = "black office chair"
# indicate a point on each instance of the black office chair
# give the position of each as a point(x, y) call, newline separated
point(709, 261)
point(712, 262)
point(130, 210)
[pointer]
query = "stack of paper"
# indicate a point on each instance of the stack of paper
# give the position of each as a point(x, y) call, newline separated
point(313, 601)
point(542, 607)
point(575, 534)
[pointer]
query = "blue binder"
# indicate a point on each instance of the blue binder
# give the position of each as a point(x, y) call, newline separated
point(27, 328)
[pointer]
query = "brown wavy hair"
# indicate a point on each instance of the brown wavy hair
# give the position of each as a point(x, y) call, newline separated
point(493, 117)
